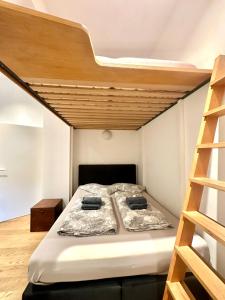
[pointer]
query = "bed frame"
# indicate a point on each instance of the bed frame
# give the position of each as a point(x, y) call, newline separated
point(123, 288)
point(54, 61)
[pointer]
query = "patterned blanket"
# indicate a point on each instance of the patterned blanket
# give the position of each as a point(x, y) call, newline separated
point(81, 223)
point(139, 220)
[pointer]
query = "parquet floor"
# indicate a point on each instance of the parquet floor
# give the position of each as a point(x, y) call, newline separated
point(16, 246)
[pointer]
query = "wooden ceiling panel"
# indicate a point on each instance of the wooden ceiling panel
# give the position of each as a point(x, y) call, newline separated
point(53, 60)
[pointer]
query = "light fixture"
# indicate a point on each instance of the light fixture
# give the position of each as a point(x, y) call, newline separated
point(107, 134)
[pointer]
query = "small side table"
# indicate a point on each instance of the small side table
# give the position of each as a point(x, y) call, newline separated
point(44, 214)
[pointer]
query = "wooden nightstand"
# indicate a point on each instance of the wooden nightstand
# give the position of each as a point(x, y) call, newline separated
point(44, 214)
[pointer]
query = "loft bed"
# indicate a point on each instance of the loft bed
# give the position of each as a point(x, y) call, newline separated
point(53, 60)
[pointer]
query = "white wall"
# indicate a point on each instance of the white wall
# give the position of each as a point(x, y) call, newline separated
point(162, 158)
point(56, 158)
point(18, 107)
point(35, 154)
point(20, 157)
point(168, 144)
point(206, 41)
point(91, 148)
point(21, 121)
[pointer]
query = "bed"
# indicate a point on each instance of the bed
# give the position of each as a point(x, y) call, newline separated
point(117, 266)
point(60, 69)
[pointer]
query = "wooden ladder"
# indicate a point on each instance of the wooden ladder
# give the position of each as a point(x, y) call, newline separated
point(184, 256)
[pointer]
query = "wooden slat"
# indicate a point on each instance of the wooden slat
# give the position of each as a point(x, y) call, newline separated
point(108, 108)
point(105, 108)
point(211, 145)
point(106, 92)
point(99, 102)
point(106, 114)
point(107, 98)
point(109, 122)
point(113, 120)
point(204, 181)
point(216, 112)
point(69, 84)
point(177, 291)
point(106, 111)
point(213, 284)
point(107, 104)
point(210, 226)
point(102, 117)
point(106, 126)
point(118, 85)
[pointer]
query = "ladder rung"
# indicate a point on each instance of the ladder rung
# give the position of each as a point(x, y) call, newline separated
point(213, 284)
point(215, 184)
point(215, 112)
point(177, 291)
point(210, 226)
point(218, 82)
point(211, 145)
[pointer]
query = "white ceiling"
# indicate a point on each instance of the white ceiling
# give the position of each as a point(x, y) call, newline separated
point(145, 28)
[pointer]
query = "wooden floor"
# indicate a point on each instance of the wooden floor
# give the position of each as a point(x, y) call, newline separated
point(16, 246)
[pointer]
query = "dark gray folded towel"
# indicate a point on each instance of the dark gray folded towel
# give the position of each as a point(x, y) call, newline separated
point(90, 206)
point(137, 206)
point(136, 200)
point(92, 200)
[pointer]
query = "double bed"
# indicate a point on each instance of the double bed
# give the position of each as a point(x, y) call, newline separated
point(63, 263)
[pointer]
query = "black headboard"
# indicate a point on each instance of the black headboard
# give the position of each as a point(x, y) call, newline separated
point(106, 174)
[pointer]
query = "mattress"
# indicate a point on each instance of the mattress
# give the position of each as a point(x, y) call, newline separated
point(142, 62)
point(66, 259)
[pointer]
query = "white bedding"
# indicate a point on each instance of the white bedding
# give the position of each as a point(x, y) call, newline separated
point(63, 258)
point(144, 62)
